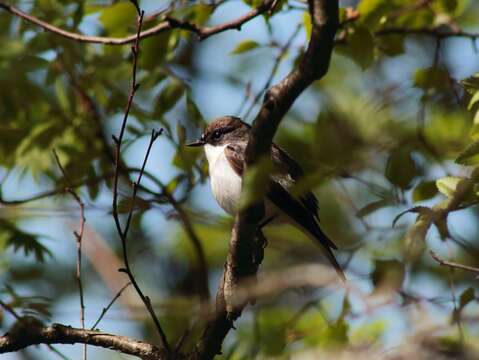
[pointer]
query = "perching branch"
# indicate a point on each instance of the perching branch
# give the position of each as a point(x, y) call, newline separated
point(277, 101)
point(123, 232)
point(28, 332)
point(169, 24)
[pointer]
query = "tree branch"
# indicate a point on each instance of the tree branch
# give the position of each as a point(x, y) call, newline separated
point(169, 24)
point(27, 333)
point(452, 264)
point(240, 261)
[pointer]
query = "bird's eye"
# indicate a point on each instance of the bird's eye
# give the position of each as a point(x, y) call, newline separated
point(216, 135)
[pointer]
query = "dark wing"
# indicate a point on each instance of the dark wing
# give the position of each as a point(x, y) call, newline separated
point(303, 210)
point(292, 168)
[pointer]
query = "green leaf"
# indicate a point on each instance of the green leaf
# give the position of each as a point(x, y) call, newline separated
point(271, 323)
point(62, 95)
point(444, 6)
point(388, 275)
point(473, 101)
point(391, 44)
point(13, 237)
point(466, 297)
point(11, 49)
point(424, 191)
point(470, 155)
point(431, 78)
point(194, 114)
point(168, 97)
point(245, 46)
point(117, 18)
point(374, 12)
point(154, 50)
point(400, 168)
point(359, 46)
point(369, 333)
point(471, 84)
point(448, 185)
point(202, 13)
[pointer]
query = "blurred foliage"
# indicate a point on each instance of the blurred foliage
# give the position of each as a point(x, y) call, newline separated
point(390, 133)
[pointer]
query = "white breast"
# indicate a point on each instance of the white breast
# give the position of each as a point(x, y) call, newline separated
point(225, 183)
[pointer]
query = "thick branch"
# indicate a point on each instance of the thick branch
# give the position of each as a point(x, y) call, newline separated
point(169, 24)
point(32, 333)
point(240, 262)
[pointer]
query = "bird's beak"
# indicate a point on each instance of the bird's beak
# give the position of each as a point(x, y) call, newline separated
point(198, 142)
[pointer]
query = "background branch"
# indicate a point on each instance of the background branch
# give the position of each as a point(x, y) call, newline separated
point(27, 332)
point(169, 24)
point(78, 237)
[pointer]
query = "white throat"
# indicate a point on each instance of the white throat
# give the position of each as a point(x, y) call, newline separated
point(213, 153)
point(225, 183)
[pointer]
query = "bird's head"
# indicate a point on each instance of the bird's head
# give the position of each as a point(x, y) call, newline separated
point(222, 131)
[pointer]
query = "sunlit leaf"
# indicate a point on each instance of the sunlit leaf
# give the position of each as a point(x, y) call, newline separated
point(118, 18)
point(245, 46)
point(448, 184)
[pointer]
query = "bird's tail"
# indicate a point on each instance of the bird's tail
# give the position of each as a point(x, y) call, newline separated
point(326, 244)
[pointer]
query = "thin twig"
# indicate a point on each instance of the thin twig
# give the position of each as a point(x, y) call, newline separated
point(123, 232)
point(452, 285)
point(435, 32)
point(78, 237)
point(10, 310)
point(283, 50)
point(453, 264)
point(105, 309)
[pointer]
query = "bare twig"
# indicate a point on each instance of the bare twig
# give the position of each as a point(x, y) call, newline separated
point(78, 237)
point(59, 190)
point(201, 32)
point(123, 232)
point(10, 310)
point(452, 264)
point(105, 309)
point(434, 32)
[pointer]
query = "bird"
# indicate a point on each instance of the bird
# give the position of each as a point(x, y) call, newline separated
point(224, 141)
